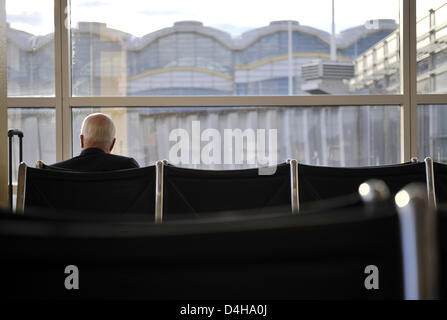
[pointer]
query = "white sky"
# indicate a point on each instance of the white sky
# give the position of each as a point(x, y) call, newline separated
point(234, 16)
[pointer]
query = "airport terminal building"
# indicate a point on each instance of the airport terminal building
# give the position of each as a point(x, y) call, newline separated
point(188, 59)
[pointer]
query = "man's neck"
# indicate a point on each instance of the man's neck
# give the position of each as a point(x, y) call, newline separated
point(95, 147)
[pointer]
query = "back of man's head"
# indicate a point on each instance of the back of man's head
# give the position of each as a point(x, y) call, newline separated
point(98, 131)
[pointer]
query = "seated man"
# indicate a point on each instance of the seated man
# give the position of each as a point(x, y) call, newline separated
point(97, 141)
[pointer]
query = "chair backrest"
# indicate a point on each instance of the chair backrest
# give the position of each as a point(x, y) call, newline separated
point(440, 178)
point(317, 256)
point(191, 191)
point(318, 183)
point(419, 239)
point(122, 191)
point(442, 234)
point(42, 165)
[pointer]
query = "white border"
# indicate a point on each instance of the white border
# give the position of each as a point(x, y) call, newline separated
point(3, 110)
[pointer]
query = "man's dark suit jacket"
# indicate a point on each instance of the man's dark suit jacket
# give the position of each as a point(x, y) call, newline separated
point(93, 159)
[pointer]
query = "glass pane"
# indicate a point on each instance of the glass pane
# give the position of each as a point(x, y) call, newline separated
point(432, 46)
point(39, 129)
point(30, 47)
point(432, 132)
point(140, 48)
point(334, 136)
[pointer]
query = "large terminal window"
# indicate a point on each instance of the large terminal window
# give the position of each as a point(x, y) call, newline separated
point(130, 49)
point(340, 88)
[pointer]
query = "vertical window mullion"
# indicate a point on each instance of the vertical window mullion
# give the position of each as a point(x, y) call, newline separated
point(58, 77)
point(413, 78)
point(63, 94)
point(408, 79)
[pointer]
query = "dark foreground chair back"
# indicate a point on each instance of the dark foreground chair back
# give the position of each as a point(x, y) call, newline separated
point(123, 191)
point(440, 178)
point(348, 254)
point(442, 234)
point(319, 183)
point(419, 238)
point(191, 191)
point(42, 165)
point(370, 252)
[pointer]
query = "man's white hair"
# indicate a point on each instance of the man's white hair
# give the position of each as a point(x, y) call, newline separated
point(98, 130)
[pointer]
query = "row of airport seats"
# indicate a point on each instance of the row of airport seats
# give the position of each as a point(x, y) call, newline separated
point(330, 253)
point(168, 192)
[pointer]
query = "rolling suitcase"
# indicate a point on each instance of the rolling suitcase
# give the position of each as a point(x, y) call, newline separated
point(11, 134)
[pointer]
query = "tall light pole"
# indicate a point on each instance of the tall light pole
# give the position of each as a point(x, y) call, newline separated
point(333, 44)
point(290, 57)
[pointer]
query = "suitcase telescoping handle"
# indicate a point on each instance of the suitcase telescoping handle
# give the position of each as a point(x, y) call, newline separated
point(11, 134)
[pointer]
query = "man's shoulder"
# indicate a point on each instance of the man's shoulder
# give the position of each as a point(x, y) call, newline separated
point(98, 162)
point(66, 163)
point(122, 159)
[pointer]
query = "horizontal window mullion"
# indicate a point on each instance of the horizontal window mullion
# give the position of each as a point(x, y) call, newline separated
point(326, 100)
point(431, 99)
point(31, 102)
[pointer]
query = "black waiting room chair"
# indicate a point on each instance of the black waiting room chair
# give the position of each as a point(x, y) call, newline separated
point(122, 191)
point(440, 180)
point(321, 183)
point(193, 192)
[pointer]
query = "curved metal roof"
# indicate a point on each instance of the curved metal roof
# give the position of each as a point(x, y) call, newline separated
point(344, 39)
